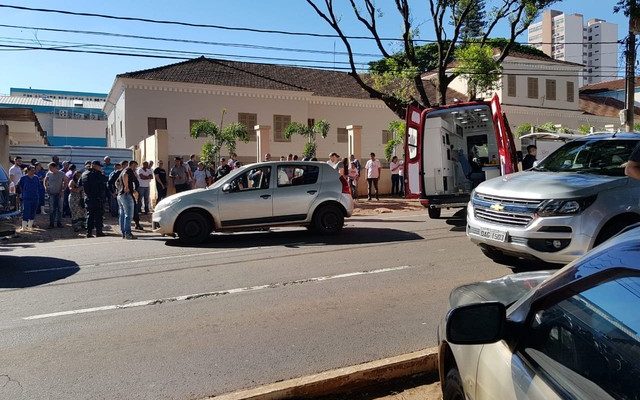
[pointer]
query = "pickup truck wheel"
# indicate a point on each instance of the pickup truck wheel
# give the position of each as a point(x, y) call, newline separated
point(434, 213)
point(327, 220)
point(192, 228)
point(453, 389)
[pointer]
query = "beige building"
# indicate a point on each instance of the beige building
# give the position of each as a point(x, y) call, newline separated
point(538, 89)
point(174, 96)
point(19, 126)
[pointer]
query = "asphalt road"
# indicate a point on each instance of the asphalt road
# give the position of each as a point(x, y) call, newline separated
point(113, 319)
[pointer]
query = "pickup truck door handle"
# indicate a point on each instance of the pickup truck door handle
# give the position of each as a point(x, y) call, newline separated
point(312, 192)
point(266, 196)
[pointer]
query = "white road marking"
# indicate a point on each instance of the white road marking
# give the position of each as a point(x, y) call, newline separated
point(33, 271)
point(212, 294)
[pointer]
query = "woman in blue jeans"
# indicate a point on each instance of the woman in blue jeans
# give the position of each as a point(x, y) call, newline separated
point(29, 187)
point(126, 203)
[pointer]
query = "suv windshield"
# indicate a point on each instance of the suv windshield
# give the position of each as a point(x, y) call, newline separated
point(604, 157)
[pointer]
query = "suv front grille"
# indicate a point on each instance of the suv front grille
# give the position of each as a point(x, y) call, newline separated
point(504, 211)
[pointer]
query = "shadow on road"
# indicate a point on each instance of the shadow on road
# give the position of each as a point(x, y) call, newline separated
point(29, 271)
point(6, 247)
point(302, 238)
point(458, 221)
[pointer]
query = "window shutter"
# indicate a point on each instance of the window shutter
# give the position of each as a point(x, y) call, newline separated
point(570, 92)
point(511, 86)
point(343, 135)
point(249, 120)
point(550, 89)
point(532, 88)
point(280, 122)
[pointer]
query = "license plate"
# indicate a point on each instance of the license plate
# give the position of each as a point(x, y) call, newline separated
point(491, 234)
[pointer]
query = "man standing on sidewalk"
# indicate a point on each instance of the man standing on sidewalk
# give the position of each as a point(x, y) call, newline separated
point(94, 184)
point(161, 180)
point(125, 188)
point(179, 176)
point(54, 184)
point(373, 168)
point(145, 175)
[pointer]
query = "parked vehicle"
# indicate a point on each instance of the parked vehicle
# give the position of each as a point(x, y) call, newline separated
point(7, 205)
point(570, 335)
point(575, 199)
point(449, 150)
point(310, 194)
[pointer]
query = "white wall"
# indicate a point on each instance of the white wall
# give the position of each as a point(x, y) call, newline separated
point(79, 128)
point(179, 103)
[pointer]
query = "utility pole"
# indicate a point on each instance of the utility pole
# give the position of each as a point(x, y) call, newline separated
point(630, 79)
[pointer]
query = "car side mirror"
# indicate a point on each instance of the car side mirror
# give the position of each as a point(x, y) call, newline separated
point(535, 163)
point(226, 187)
point(479, 323)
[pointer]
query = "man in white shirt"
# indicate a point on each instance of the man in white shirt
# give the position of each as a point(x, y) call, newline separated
point(145, 175)
point(373, 168)
point(15, 172)
point(334, 160)
point(401, 174)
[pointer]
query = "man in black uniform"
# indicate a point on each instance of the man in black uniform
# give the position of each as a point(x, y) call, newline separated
point(94, 184)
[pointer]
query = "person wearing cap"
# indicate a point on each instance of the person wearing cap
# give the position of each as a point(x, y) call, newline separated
point(94, 184)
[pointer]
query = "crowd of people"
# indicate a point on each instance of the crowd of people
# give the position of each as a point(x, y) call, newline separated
point(123, 188)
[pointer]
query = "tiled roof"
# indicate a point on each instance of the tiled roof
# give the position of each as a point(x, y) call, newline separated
point(616, 84)
point(526, 56)
point(602, 106)
point(255, 75)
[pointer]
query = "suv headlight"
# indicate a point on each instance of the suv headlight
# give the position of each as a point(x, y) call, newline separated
point(166, 203)
point(559, 207)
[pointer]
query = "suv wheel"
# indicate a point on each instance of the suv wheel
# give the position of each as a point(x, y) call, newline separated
point(434, 213)
point(453, 389)
point(193, 228)
point(327, 220)
point(609, 231)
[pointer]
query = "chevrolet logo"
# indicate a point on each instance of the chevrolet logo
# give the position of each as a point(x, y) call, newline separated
point(497, 207)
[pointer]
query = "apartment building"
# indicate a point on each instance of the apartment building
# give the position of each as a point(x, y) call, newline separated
point(566, 37)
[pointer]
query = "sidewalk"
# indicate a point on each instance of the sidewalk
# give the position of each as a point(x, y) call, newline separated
point(386, 205)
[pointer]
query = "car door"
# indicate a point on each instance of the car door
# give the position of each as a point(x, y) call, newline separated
point(504, 139)
point(584, 346)
point(248, 200)
point(413, 153)
point(298, 185)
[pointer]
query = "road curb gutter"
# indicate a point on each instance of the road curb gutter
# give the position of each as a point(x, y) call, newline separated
point(344, 379)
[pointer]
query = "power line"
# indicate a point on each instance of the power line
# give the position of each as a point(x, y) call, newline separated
point(165, 39)
point(230, 28)
point(183, 58)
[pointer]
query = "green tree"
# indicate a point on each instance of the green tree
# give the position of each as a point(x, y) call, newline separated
point(475, 63)
point(474, 24)
point(320, 128)
point(217, 138)
point(449, 18)
point(584, 128)
point(522, 130)
point(397, 129)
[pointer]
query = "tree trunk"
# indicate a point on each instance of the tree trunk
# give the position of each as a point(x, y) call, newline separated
point(443, 84)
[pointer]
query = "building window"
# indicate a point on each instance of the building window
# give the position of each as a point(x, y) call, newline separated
point(570, 92)
point(249, 120)
point(154, 123)
point(532, 88)
point(311, 122)
point(120, 128)
point(386, 136)
point(550, 91)
point(511, 86)
point(343, 135)
point(280, 123)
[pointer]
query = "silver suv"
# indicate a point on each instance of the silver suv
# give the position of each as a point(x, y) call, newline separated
point(310, 194)
point(575, 199)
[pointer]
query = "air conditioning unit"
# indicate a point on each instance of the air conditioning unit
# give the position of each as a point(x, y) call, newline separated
point(63, 113)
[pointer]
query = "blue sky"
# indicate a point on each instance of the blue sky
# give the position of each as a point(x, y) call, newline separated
point(95, 73)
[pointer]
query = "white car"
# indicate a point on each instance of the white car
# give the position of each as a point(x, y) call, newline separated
point(570, 335)
point(310, 194)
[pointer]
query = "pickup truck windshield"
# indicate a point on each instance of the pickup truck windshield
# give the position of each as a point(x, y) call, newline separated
point(602, 157)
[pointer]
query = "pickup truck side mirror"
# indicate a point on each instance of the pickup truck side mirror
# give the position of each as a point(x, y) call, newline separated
point(479, 323)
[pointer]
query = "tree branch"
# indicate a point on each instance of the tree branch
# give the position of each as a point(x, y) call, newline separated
point(371, 25)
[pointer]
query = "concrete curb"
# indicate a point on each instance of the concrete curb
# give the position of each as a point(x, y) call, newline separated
point(343, 380)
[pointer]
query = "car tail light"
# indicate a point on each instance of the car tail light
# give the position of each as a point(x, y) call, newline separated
point(345, 185)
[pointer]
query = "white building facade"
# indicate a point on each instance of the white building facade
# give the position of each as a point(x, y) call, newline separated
point(566, 37)
point(172, 98)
